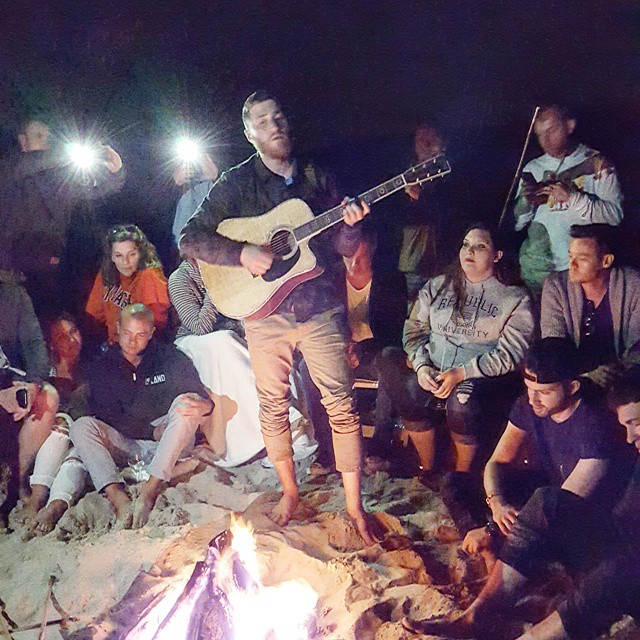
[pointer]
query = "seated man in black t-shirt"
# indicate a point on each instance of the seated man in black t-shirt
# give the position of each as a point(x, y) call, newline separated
point(612, 586)
point(573, 440)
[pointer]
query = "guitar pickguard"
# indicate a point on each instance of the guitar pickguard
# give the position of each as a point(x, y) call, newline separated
point(281, 267)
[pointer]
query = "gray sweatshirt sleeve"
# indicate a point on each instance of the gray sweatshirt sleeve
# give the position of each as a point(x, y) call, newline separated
point(553, 322)
point(513, 343)
point(417, 329)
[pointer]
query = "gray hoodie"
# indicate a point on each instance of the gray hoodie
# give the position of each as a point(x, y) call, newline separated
point(488, 339)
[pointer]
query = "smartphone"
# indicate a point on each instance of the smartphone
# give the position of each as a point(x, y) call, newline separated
point(22, 398)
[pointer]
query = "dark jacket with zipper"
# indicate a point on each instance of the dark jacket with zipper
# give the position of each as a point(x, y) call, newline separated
point(251, 189)
point(129, 399)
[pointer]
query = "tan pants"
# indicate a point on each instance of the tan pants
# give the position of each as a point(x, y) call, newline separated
point(321, 341)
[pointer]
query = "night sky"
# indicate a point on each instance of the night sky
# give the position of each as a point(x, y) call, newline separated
point(353, 76)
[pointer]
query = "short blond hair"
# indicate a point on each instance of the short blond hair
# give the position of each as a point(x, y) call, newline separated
point(137, 311)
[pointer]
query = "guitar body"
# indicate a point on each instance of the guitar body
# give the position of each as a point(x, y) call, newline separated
point(286, 231)
point(238, 294)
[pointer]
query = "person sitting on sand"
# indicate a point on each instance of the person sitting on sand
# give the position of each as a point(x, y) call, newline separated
point(139, 389)
point(463, 341)
point(376, 304)
point(595, 304)
point(59, 476)
point(579, 459)
point(27, 403)
point(612, 587)
point(220, 355)
point(131, 272)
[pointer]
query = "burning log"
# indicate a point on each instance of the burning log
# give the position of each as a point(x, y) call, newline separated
point(224, 599)
point(183, 620)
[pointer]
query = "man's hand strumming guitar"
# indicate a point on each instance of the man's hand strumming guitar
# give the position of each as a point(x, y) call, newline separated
point(256, 260)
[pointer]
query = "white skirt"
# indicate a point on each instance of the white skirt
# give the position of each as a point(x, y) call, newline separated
point(233, 431)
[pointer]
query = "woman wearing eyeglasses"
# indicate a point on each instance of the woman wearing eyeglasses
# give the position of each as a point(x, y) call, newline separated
point(131, 272)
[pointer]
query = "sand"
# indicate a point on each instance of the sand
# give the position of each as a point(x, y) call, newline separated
point(105, 579)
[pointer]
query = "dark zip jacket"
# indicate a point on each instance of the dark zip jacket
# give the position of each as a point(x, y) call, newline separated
point(129, 398)
point(250, 189)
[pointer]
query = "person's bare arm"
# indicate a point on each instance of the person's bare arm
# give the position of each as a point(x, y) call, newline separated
point(505, 453)
point(586, 476)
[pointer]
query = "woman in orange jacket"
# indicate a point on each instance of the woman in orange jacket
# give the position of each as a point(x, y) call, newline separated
point(131, 272)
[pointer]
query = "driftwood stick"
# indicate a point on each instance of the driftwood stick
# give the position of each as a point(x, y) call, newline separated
point(43, 624)
point(516, 177)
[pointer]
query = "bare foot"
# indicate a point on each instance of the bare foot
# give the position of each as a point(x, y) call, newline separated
point(47, 519)
point(183, 467)
point(146, 500)
point(142, 509)
point(32, 505)
point(121, 504)
point(284, 510)
point(365, 524)
point(124, 516)
point(205, 454)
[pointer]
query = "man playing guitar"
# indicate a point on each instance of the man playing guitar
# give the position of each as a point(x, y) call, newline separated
point(310, 317)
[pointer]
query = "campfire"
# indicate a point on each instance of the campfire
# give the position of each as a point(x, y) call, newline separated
point(225, 599)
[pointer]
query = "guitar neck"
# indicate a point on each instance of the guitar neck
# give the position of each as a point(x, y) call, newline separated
point(333, 216)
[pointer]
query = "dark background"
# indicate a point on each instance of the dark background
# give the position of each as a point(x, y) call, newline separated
point(353, 76)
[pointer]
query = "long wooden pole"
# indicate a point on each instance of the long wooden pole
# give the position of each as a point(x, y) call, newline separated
point(516, 177)
point(43, 624)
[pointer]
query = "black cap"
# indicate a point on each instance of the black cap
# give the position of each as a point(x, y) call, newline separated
point(552, 360)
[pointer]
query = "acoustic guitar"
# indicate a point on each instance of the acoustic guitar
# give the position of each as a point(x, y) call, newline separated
point(286, 230)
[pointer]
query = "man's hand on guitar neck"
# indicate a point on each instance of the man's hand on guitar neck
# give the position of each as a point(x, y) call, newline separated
point(255, 259)
point(354, 210)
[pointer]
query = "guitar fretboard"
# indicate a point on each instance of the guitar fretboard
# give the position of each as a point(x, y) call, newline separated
point(335, 215)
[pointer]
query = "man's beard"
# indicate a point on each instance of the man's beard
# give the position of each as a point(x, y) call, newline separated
point(278, 149)
point(542, 412)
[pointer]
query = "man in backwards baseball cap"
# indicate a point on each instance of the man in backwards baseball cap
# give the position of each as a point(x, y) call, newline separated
point(552, 360)
point(563, 519)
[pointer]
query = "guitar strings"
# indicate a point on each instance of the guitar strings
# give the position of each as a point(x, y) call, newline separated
point(280, 242)
point(284, 240)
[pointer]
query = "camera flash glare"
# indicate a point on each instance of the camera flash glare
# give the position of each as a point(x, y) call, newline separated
point(188, 151)
point(83, 155)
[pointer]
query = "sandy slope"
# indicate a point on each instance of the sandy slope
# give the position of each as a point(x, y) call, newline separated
point(107, 578)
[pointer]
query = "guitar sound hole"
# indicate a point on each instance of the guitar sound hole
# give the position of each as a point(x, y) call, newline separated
point(282, 243)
